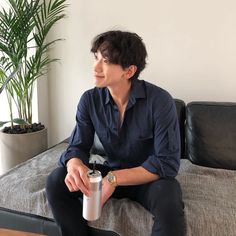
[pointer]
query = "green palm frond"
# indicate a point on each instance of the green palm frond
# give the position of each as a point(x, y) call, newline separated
point(24, 27)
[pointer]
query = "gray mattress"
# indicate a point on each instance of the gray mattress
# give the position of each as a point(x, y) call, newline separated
point(209, 196)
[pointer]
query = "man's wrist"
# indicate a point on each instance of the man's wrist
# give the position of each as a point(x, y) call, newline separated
point(112, 179)
point(74, 160)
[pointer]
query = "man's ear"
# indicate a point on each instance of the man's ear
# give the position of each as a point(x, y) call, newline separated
point(130, 71)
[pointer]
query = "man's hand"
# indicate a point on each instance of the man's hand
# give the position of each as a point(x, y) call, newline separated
point(76, 178)
point(107, 190)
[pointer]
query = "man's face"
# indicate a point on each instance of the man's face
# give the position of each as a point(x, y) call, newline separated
point(107, 74)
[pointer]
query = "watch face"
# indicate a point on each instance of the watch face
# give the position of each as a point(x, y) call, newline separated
point(110, 178)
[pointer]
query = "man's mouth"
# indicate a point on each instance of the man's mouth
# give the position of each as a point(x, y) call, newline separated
point(98, 76)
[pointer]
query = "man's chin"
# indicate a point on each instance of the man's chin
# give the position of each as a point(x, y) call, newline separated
point(97, 85)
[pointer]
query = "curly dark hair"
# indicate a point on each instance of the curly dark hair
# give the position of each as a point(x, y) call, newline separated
point(122, 48)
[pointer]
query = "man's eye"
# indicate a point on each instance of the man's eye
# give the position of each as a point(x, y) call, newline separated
point(105, 60)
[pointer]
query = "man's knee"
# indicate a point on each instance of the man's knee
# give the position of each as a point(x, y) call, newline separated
point(165, 203)
point(55, 182)
point(166, 197)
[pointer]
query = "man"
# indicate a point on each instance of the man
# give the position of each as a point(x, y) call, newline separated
point(138, 126)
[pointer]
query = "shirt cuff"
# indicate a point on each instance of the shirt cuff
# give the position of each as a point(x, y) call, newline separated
point(153, 165)
point(67, 155)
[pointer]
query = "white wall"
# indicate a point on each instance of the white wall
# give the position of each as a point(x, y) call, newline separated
point(191, 45)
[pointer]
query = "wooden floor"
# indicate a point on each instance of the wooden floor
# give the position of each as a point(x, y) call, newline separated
point(7, 232)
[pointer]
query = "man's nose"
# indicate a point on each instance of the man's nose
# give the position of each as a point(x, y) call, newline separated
point(97, 66)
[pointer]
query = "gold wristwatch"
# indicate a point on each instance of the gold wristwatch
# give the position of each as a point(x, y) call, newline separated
point(111, 178)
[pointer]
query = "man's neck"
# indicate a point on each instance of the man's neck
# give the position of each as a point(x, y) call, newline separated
point(120, 94)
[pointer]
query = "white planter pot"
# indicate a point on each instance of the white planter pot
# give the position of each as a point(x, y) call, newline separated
point(17, 148)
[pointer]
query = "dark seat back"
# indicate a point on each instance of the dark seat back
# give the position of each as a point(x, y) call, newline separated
point(211, 134)
point(181, 111)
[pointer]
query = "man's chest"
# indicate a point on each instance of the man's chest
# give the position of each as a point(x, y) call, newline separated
point(137, 123)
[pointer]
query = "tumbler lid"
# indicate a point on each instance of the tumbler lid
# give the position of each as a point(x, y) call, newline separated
point(94, 176)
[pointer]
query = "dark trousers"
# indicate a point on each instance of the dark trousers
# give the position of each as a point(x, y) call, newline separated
point(163, 198)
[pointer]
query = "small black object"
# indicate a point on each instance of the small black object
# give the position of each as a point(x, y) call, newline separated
point(94, 167)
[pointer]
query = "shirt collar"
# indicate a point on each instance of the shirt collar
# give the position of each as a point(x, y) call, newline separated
point(107, 96)
point(137, 91)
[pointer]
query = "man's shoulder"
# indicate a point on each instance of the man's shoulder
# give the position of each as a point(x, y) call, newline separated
point(156, 92)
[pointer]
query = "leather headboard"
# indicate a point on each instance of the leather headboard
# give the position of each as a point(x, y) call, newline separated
point(211, 134)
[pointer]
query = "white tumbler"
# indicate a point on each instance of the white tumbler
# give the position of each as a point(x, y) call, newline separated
point(92, 205)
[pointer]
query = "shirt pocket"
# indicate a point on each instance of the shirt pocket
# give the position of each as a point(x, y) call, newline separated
point(140, 148)
point(143, 143)
point(145, 137)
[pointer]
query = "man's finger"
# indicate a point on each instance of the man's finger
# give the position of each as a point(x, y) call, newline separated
point(83, 184)
point(71, 183)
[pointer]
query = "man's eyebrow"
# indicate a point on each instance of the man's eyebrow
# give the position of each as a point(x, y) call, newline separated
point(105, 54)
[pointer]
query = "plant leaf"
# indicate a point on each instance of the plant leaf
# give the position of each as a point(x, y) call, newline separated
point(3, 123)
point(20, 121)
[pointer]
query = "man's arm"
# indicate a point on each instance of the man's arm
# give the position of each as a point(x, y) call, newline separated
point(165, 160)
point(82, 137)
point(125, 177)
point(76, 157)
point(134, 176)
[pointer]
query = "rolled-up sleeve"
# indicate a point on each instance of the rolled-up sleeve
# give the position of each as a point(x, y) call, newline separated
point(82, 136)
point(165, 160)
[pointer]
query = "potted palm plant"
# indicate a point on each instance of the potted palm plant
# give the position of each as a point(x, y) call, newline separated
point(24, 27)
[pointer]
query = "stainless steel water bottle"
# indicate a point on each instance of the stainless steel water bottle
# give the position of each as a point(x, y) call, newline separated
point(92, 206)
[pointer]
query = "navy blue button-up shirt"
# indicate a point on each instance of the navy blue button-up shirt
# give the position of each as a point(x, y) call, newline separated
point(147, 137)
